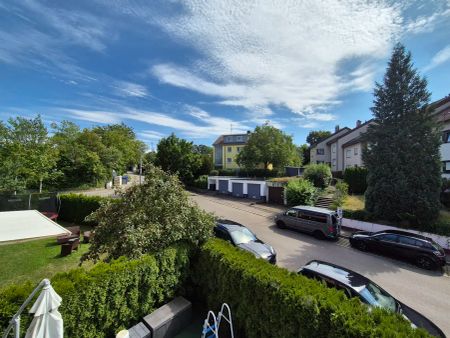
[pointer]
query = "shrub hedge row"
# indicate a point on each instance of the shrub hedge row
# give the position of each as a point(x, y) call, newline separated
point(110, 296)
point(318, 174)
point(301, 192)
point(356, 178)
point(200, 182)
point(75, 207)
point(268, 301)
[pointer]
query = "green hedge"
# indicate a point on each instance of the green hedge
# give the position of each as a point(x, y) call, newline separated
point(242, 172)
point(75, 207)
point(318, 174)
point(268, 301)
point(110, 296)
point(200, 182)
point(300, 192)
point(356, 178)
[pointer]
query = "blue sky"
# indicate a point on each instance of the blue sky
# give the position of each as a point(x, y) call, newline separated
point(203, 68)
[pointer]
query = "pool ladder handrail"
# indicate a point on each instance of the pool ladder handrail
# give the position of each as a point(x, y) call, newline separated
point(214, 328)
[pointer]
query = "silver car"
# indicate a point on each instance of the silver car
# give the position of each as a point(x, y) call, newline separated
point(320, 222)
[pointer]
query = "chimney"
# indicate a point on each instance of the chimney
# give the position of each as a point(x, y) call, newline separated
point(248, 132)
point(358, 123)
point(336, 129)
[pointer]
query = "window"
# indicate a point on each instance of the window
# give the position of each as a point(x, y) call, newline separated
point(320, 151)
point(292, 213)
point(334, 162)
point(229, 139)
point(388, 238)
point(229, 160)
point(375, 296)
point(242, 236)
point(407, 240)
point(221, 234)
point(238, 149)
point(348, 153)
point(446, 136)
point(229, 149)
point(446, 166)
point(355, 151)
point(240, 138)
point(333, 148)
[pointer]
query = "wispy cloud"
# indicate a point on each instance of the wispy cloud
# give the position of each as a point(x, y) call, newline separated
point(439, 58)
point(259, 54)
point(150, 135)
point(129, 89)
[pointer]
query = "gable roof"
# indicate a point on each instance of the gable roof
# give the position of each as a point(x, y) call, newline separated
point(335, 134)
point(354, 129)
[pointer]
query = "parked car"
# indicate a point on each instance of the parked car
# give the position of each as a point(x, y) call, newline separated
point(421, 250)
point(243, 238)
point(320, 222)
point(356, 285)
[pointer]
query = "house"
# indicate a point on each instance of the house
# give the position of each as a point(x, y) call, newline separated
point(226, 148)
point(441, 110)
point(321, 151)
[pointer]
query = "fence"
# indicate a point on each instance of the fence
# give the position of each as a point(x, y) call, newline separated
point(43, 202)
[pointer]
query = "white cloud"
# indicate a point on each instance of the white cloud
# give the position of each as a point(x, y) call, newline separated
point(439, 58)
point(96, 116)
point(150, 135)
point(427, 24)
point(258, 54)
point(124, 88)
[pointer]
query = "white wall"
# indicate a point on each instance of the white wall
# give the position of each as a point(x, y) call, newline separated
point(353, 160)
point(344, 139)
point(233, 179)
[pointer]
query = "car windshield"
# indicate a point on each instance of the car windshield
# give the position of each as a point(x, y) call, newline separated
point(436, 246)
point(373, 295)
point(242, 236)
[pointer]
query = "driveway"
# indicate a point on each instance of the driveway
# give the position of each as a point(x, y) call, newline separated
point(425, 291)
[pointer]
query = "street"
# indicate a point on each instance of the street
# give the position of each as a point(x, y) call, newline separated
point(425, 291)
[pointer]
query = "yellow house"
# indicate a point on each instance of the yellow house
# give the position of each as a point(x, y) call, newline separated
point(226, 148)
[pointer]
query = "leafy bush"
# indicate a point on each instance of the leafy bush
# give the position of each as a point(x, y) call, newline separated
point(148, 218)
point(200, 182)
point(360, 215)
point(242, 172)
point(318, 174)
point(76, 207)
point(340, 194)
point(300, 192)
point(445, 192)
point(214, 173)
point(99, 301)
point(356, 178)
point(268, 301)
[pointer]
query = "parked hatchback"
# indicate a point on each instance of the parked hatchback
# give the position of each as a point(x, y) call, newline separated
point(356, 285)
point(243, 238)
point(418, 249)
point(320, 222)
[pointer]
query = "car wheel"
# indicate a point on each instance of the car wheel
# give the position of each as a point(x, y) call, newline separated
point(281, 225)
point(318, 234)
point(360, 245)
point(425, 262)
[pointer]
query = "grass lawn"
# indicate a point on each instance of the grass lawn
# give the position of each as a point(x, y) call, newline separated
point(35, 260)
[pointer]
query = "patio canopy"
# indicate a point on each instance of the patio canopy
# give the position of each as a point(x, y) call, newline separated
point(27, 224)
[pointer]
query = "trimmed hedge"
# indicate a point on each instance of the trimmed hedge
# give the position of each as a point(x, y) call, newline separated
point(268, 301)
point(75, 207)
point(356, 178)
point(110, 296)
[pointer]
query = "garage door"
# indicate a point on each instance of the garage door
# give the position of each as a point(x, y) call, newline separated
point(223, 186)
point(254, 191)
point(237, 189)
point(276, 195)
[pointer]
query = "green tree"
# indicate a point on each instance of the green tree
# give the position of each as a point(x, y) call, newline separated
point(206, 154)
point(402, 158)
point(148, 218)
point(315, 136)
point(268, 145)
point(304, 152)
point(176, 155)
point(28, 156)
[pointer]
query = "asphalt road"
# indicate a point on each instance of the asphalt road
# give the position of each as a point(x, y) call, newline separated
point(425, 291)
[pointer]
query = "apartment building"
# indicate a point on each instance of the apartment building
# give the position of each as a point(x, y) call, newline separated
point(441, 110)
point(344, 150)
point(226, 148)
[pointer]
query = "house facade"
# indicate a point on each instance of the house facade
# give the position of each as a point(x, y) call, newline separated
point(441, 110)
point(226, 148)
point(321, 152)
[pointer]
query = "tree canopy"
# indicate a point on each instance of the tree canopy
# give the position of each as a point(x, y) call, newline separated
point(268, 145)
point(402, 157)
point(315, 136)
point(148, 218)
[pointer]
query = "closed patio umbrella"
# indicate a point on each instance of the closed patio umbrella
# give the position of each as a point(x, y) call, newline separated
point(47, 321)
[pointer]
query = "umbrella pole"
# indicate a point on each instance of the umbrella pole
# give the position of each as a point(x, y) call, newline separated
point(15, 321)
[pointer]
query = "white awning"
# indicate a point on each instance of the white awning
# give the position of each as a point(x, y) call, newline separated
point(27, 224)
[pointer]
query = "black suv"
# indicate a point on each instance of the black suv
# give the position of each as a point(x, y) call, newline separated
point(243, 238)
point(355, 285)
point(421, 250)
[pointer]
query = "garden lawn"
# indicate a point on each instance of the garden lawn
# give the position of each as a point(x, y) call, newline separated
point(35, 260)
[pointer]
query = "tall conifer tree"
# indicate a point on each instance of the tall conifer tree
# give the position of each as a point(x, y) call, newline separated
point(402, 156)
